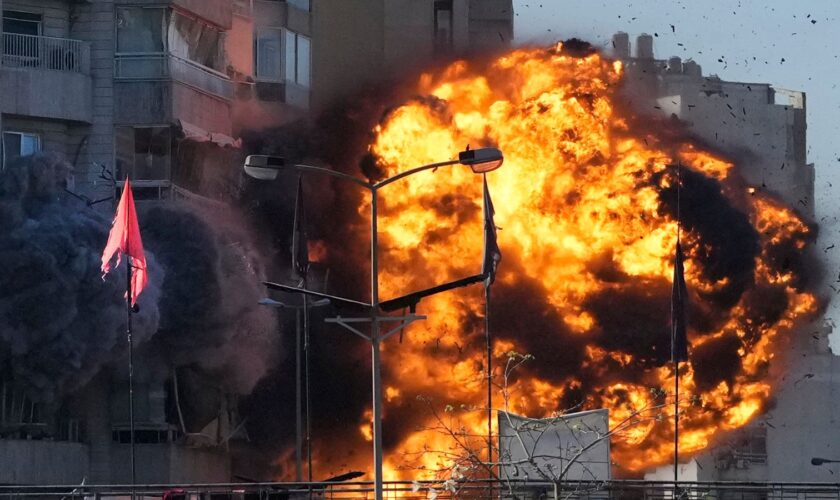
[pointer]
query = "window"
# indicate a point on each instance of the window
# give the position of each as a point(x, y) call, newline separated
point(283, 55)
point(196, 41)
point(303, 61)
point(298, 58)
point(144, 153)
point(21, 23)
point(300, 4)
point(141, 30)
point(268, 55)
point(17, 144)
point(443, 25)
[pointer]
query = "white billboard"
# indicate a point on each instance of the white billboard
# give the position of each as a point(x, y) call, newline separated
point(570, 447)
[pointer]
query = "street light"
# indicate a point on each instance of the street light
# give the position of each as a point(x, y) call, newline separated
point(298, 404)
point(821, 461)
point(481, 161)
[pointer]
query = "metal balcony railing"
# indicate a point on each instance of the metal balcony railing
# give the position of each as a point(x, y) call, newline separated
point(440, 490)
point(170, 66)
point(44, 52)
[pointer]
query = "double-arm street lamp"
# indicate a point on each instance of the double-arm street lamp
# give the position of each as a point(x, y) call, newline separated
point(481, 161)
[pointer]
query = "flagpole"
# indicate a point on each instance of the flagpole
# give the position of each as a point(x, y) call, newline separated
point(488, 347)
point(130, 367)
point(673, 351)
point(307, 347)
point(298, 403)
point(676, 424)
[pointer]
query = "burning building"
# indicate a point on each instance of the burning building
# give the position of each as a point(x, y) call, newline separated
point(161, 91)
point(588, 204)
point(764, 128)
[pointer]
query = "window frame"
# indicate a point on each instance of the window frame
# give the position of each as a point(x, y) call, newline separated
point(164, 24)
point(10, 13)
point(289, 69)
point(117, 157)
point(20, 134)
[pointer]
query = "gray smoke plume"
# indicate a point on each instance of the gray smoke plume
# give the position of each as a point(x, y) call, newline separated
point(61, 323)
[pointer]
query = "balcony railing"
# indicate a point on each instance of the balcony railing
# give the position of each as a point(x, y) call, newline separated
point(44, 52)
point(168, 66)
point(442, 490)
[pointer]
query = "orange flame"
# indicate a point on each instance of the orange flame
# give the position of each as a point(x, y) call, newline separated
point(579, 203)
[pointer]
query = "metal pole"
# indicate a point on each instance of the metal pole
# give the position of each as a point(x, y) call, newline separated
point(298, 404)
point(676, 424)
point(307, 347)
point(489, 372)
point(375, 347)
point(130, 369)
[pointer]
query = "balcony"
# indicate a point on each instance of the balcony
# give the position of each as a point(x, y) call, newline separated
point(38, 66)
point(171, 67)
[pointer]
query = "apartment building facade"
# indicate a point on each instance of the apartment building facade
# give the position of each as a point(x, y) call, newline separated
point(160, 90)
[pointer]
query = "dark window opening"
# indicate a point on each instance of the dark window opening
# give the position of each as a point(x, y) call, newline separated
point(21, 23)
point(443, 26)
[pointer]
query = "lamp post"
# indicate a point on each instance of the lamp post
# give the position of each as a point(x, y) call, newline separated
point(481, 161)
point(298, 403)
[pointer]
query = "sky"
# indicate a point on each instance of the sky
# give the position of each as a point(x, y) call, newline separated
point(789, 44)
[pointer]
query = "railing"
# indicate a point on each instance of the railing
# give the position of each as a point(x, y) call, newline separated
point(44, 52)
point(168, 66)
point(522, 490)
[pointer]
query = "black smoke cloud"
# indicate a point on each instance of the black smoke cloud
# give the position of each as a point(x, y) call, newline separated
point(61, 323)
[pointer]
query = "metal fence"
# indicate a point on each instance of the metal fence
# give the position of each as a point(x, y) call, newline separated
point(522, 490)
point(44, 52)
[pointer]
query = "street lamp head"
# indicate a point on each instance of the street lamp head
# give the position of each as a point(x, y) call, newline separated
point(819, 461)
point(481, 160)
point(264, 168)
point(271, 302)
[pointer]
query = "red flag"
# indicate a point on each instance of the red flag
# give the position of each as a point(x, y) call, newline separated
point(125, 239)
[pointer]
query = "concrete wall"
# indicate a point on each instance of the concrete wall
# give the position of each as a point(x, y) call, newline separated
point(208, 112)
point(41, 93)
point(490, 24)
point(94, 22)
point(766, 139)
point(170, 463)
point(42, 462)
point(347, 47)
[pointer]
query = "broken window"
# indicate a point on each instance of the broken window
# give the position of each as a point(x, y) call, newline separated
point(16, 144)
point(196, 41)
point(144, 153)
point(20, 416)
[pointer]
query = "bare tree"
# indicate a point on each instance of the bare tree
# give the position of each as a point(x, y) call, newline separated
point(554, 453)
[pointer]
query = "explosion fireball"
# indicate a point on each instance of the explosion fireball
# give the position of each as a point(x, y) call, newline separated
point(587, 206)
